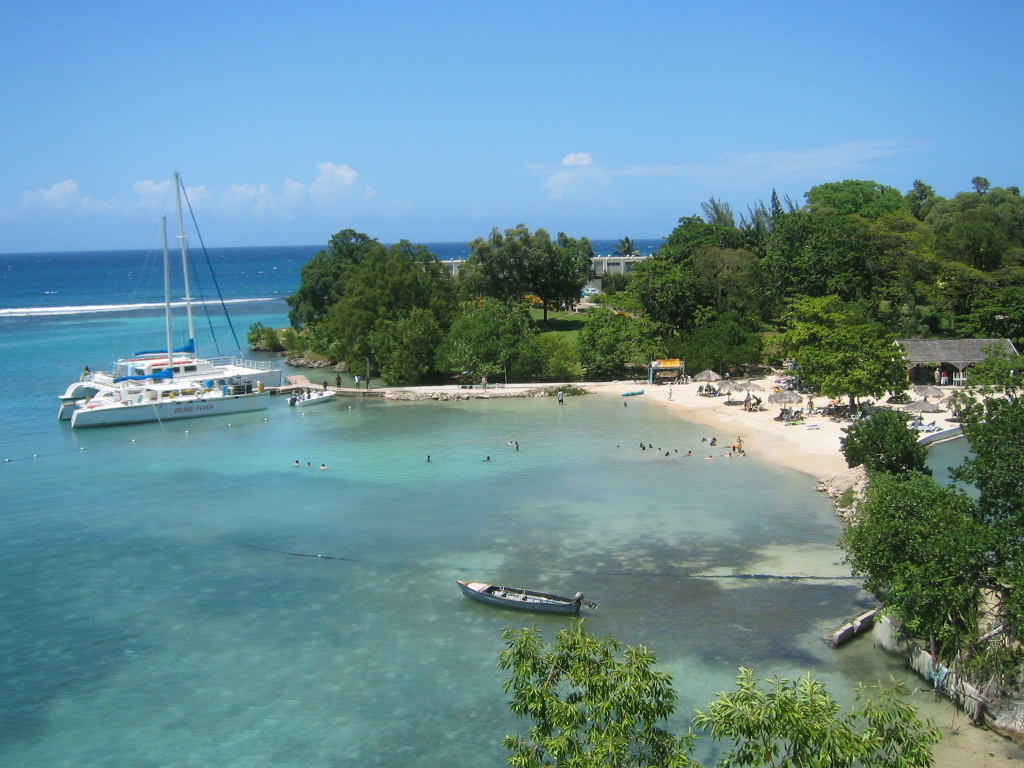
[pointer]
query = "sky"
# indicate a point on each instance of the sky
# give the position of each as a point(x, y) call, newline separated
point(435, 122)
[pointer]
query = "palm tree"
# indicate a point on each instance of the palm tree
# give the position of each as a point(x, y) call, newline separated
point(626, 248)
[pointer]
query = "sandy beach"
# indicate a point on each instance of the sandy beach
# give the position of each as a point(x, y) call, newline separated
point(812, 447)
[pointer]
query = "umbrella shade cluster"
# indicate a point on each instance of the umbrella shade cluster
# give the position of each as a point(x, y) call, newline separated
point(785, 397)
point(922, 406)
point(707, 376)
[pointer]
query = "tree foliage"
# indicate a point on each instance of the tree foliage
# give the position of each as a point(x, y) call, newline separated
point(883, 443)
point(819, 252)
point(864, 198)
point(589, 708)
point(382, 290)
point(594, 704)
point(323, 276)
point(487, 338)
point(610, 342)
point(842, 352)
point(797, 724)
point(508, 265)
point(727, 341)
point(924, 555)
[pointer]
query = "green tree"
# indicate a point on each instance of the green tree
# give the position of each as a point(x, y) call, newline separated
point(925, 556)
point(883, 443)
point(864, 198)
point(549, 357)
point(594, 704)
point(323, 277)
point(979, 244)
point(559, 270)
point(254, 337)
point(383, 289)
point(668, 292)
point(693, 233)
point(999, 316)
point(625, 247)
point(726, 341)
point(610, 342)
point(797, 724)
point(488, 339)
point(508, 265)
point(730, 279)
point(995, 430)
point(905, 258)
point(405, 348)
point(920, 199)
point(820, 253)
point(840, 351)
point(999, 370)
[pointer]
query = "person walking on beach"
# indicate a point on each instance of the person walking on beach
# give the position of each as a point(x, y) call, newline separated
point(669, 391)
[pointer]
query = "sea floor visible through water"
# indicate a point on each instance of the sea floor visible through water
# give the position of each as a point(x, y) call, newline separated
point(157, 611)
point(163, 600)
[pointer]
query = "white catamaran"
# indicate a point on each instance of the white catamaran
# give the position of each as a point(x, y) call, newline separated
point(169, 383)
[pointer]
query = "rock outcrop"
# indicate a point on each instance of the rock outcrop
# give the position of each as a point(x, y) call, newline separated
point(845, 489)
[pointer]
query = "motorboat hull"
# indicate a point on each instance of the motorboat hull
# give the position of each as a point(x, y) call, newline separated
point(519, 599)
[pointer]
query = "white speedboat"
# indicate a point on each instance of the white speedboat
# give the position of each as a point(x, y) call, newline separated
point(169, 383)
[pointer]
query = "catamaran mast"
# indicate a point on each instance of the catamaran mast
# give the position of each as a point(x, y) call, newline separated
point(167, 295)
point(184, 260)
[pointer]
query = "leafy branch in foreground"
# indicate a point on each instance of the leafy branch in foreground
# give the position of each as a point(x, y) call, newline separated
point(592, 709)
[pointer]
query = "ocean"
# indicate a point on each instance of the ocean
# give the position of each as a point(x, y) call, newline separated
point(183, 595)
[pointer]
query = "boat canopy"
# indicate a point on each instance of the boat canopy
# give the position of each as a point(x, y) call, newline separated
point(166, 373)
point(189, 348)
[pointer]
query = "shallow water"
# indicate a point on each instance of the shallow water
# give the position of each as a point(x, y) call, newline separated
point(155, 610)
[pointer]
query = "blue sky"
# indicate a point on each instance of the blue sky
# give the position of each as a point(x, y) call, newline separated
point(438, 121)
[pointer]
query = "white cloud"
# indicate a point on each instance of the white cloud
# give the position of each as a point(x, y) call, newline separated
point(578, 158)
point(63, 197)
point(332, 180)
point(850, 157)
point(578, 175)
point(153, 190)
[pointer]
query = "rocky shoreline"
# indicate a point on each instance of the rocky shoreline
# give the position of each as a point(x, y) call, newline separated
point(481, 394)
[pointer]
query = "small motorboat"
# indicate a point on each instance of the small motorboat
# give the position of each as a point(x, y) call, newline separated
point(317, 396)
point(634, 393)
point(523, 599)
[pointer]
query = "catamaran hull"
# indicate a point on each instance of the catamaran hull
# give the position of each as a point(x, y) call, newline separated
point(137, 413)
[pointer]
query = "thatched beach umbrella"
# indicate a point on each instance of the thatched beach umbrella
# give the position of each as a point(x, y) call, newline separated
point(926, 391)
point(922, 406)
point(707, 376)
point(752, 387)
point(785, 397)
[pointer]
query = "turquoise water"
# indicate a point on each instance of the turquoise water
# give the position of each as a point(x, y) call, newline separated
point(152, 616)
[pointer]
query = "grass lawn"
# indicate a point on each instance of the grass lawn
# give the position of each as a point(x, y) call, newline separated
point(566, 324)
